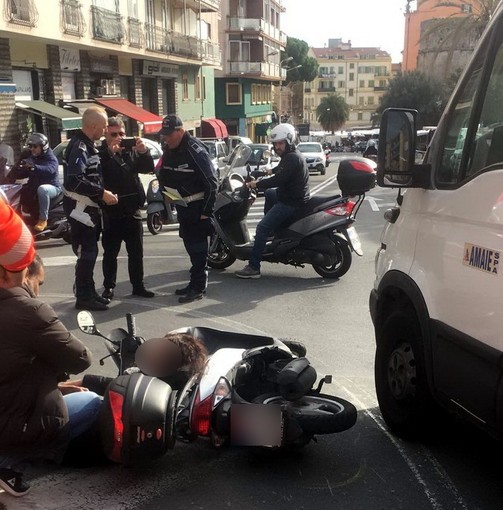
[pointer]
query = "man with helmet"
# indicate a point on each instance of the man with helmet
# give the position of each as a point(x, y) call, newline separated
point(291, 178)
point(43, 181)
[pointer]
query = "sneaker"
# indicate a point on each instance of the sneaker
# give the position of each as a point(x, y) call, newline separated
point(143, 292)
point(90, 304)
point(185, 290)
point(40, 226)
point(248, 272)
point(192, 295)
point(12, 482)
point(108, 294)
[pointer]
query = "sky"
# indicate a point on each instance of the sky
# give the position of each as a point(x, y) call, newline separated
point(376, 23)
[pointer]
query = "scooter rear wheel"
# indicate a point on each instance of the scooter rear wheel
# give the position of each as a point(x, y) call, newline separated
point(154, 223)
point(342, 264)
point(316, 413)
point(219, 256)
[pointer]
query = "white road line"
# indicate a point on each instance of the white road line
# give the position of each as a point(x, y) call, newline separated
point(373, 203)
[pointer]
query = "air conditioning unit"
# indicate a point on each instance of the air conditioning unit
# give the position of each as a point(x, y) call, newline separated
point(108, 87)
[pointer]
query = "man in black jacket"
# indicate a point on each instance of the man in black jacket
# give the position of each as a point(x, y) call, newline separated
point(123, 222)
point(290, 178)
point(84, 194)
point(187, 168)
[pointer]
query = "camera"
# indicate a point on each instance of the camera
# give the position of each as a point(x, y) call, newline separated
point(128, 143)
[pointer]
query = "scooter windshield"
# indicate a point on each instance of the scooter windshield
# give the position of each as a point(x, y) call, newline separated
point(237, 159)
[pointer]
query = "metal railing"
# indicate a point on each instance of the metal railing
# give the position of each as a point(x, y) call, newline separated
point(186, 45)
point(326, 89)
point(214, 4)
point(107, 25)
point(211, 52)
point(21, 12)
point(135, 33)
point(260, 68)
point(72, 18)
point(253, 24)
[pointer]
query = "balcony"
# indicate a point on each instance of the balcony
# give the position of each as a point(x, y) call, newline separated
point(157, 38)
point(212, 54)
point(107, 25)
point(166, 41)
point(327, 75)
point(204, 5)
point(247, 24)
point(135, 33)
point(21, 12)
point(186, 45)
point(326, 89)
point(307, 89)
point(264, 69)
point(72, 19)
point(380, 89)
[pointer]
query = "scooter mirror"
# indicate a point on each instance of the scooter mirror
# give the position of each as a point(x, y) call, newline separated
point(86, 323)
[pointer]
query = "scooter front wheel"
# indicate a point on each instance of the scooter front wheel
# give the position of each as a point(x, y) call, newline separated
point(341, 265)
point(316, 413)
point(219, 256)
point(154, 223)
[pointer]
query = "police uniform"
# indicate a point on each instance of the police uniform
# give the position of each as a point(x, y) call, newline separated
point(83, 188)
point(189, 170)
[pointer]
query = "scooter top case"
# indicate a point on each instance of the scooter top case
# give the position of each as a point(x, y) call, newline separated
point(137, 419)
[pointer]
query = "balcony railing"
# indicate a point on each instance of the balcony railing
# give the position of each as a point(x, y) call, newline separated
point(107, 25)
point(166, 41)
point(72, 19)
point(252, 24)
point(212, 53)
point(380, 89)
point(135, 32)
point(326, 89)
point(21, 12)
point(157, 38)
point(256, 68)
point(186, 45)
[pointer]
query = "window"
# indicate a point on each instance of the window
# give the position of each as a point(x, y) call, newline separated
point(371, 83)
point(340, 70)
point(361, 100)
point(233, 93)
point(351, 76)
point(198, 86)
point(360, 116)
point(370, 100)
point(352, 65)
point(204, 87)
point(341, 84)
point(185, 87)
point(362, 84)
point(239, 51)
point(351, 92)
point(382, 83)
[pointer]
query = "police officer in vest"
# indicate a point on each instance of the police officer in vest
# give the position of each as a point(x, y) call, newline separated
point(84, 194)
point(188, 171)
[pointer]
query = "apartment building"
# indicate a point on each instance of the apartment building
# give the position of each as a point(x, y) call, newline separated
point(359, 75)
point(138, 58)
point(251, 40)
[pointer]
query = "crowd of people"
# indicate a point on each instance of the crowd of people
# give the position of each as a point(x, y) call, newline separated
point(103, 196)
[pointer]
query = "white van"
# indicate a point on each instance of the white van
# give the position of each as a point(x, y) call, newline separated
point(437, 301)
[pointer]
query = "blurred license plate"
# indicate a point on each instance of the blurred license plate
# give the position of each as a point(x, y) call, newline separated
point(256, 425)
point(355, 240)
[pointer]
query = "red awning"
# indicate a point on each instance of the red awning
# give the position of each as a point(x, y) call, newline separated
point(151, 122)
point(213, 128)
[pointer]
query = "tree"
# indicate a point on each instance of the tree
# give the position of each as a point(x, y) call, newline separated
point(332, 112)
point(458, 32)
point(298, 49)
point(413, 89)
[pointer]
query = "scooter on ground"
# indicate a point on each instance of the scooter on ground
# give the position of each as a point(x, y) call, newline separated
point(320, 233)
point(255, 391)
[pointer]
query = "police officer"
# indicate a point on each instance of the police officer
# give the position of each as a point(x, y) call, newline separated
point(187, 168)
point(84, 194)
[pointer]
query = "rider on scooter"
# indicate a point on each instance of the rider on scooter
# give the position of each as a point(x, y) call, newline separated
point(291, 180)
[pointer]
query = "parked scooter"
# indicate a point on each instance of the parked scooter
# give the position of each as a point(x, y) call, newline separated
point(58, 226)
point(159, 210)
point(142, 417)
point(320, 233)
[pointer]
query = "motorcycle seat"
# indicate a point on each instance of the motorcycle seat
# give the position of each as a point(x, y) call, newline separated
point(313, 205)
point(215, 339)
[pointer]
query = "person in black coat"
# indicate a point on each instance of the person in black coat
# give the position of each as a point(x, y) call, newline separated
point(123, 222)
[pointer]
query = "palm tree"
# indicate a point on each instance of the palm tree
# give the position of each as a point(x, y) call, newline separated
point(450, 33)
point(332, 112)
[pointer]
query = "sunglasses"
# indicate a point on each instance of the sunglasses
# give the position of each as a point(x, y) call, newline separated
point(117, 133)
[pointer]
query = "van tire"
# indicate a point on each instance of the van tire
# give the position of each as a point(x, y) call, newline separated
point(404, 397)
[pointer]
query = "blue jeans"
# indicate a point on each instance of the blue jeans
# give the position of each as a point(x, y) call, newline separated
point(44, 193)
point(83, 409)
point(274, 217)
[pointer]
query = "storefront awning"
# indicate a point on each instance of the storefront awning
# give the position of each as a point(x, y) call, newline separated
point(81, 106)
point(213, 128)
point(68, 119)
point(151, 122)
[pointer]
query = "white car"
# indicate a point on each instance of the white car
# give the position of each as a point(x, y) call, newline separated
point(154, 147)
point(316, 158)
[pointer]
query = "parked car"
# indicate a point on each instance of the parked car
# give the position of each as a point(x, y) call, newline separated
point(261, 160)
point(436, 301)
point(155, 151)
point(218, 151)
point(316, 158)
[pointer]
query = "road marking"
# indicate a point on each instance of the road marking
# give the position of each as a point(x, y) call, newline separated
point(373, 203)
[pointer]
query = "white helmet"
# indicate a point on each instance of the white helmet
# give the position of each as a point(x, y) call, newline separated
point(283, 132)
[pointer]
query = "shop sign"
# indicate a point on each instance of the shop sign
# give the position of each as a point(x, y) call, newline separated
point(162, 69)
point(69, 59)
point(24, 85)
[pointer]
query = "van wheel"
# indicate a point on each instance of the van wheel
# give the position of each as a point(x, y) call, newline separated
point(154, 223)
point(400, 377)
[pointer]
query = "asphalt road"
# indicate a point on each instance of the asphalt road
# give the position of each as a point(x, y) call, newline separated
point(362, 468)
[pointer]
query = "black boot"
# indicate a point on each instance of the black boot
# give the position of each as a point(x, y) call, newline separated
point(192, 295)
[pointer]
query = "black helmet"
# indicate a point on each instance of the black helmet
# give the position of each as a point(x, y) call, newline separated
point(38, 139)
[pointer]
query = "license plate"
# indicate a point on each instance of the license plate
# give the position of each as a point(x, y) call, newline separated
point(355, 240)
point(256, 425)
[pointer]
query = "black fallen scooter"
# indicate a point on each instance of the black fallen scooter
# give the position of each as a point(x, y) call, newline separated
point(321, 233)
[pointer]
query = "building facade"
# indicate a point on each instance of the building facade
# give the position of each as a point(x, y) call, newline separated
point(359, 75)
point(251, 40)
point(139, 58)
